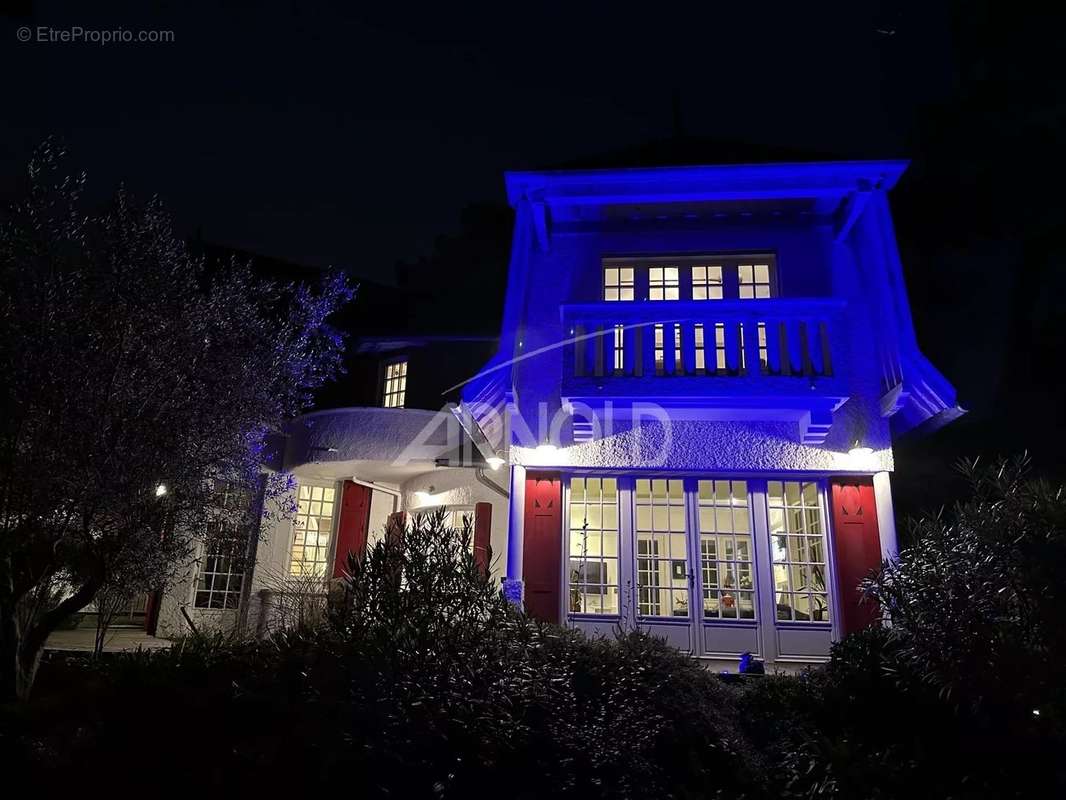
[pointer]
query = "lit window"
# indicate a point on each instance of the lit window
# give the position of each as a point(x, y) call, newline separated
point(726, 560)
point(754, 281)
point(760, 329)
point(312, 530)
point(719, 348)
point(395, 384)
point(222, 568)
point(707, 283)
point(663, 283)
point(662, 562)
point(679, 364)
point(618, 283)
point(619, 348)
point(797, 545)
point(594, 586)
point(701, 362)
point(659, 357)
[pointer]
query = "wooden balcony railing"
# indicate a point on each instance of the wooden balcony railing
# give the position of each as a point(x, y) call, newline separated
point(776, 338)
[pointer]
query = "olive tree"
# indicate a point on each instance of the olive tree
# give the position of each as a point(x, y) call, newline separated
point(135, 376)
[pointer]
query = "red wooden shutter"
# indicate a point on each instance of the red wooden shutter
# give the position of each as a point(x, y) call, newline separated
point(858, 547)
point(542, 549)
point(482, 535)
point(352, 526)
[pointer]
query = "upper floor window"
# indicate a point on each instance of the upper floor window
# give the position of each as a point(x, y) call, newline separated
point(618, 283)
point(746, 276)
point(707, 283)
point(663, 283)
point(395, 384)
point(754, 281)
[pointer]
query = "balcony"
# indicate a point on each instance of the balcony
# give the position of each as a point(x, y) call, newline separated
point(774, 359)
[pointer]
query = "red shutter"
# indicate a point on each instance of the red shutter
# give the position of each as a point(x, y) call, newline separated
point(482, 535)
point(352, 526)
point(858, 547)
point(542, 550)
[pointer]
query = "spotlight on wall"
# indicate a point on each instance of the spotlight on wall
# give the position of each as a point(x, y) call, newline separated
point(495, 462)
point(424, 498)
point(859, 450)
point(160, 490)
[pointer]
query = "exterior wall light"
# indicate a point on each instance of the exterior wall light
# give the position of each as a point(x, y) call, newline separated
point(424, 498)
point(495, 462)
point(859, 450)
point(546, 450)
point(160, 490)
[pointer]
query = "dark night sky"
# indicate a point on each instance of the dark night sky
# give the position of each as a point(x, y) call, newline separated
point(354, 136)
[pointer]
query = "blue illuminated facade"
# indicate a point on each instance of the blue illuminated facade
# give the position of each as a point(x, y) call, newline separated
point(680, 341)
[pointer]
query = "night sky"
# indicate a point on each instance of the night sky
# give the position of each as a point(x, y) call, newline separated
point(356, 137)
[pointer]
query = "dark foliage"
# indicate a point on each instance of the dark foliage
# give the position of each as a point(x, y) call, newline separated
point(426, 683)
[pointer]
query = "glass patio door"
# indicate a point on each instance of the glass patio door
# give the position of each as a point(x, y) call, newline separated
point(663, 577)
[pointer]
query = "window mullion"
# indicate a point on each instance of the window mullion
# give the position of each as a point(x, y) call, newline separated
point(765, 593)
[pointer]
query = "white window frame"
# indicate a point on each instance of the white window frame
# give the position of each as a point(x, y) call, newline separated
point(236, 556)
point(395, 385)
point(330, 545)
point(708, 282)
point(664, 283)
point(618, 284)
point(769, 632)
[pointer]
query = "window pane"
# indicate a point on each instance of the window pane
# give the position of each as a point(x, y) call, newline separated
point(726, 558)
point(797, 548)
point(593, 573)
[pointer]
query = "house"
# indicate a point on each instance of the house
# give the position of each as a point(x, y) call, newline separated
point(685, 425)
point(700, 375)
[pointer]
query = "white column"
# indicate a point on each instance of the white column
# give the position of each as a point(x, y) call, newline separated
point(516, 522)
point(886, 517)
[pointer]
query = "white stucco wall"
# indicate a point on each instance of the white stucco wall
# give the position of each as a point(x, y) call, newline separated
point(459, 487)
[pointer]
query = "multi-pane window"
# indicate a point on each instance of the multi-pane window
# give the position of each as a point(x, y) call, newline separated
point(618, 283)
point(660, 349)
point(663, 283)
point(619, 348)
point(312, 530)
point(754, 281)
point(662, 561)
point(719, 348)
point(222, 568)
point(707, 283)
point(659, 356)
point(594, 542)
point(395, 384)
point(797, 546)
point(726, 555)
point(701, 359)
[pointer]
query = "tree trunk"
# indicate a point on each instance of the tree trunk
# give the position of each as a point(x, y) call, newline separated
point(21, 650)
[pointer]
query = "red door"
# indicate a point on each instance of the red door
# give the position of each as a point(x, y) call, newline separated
point(857, 547)
point(542, 548)
point(352, 526)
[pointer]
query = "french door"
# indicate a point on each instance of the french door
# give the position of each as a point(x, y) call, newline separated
point(715, 566)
